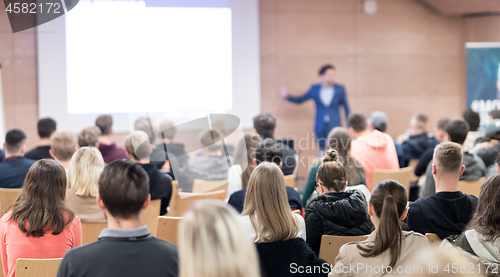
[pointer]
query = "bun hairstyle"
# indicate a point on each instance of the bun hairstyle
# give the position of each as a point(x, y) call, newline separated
point(331, 173)
point(389, 200)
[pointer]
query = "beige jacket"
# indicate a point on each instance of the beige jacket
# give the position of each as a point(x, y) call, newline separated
point(349, 262)
point(85, 207)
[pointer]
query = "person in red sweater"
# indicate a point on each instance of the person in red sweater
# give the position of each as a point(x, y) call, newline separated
point(109, 150)
point(26, 231)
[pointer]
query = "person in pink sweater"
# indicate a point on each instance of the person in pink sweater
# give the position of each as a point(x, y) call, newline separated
point(374, 149)
point(39, 225)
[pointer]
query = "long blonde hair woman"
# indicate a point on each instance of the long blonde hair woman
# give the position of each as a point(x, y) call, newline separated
point(279, 233)
point(83, 174)
point(212, 243)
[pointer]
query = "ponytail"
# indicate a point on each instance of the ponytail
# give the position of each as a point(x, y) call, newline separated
point(389, 203)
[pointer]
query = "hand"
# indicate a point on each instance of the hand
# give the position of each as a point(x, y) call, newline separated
point(284, 92)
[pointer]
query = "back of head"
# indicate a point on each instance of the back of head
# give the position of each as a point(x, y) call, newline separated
point(266, 204)
point(89, 136)
point(268, 151)
point(148, 126)
point(340, 139)
point(167, 130)
point(448, 158)
point(84, 170)
point(264, 124)
point(211, 139)
point(138, 145)
point(442, 122)
point(495, 114)
point(388, 200)
point(486, 219)
point(420, 121)
point(357, 122)
point(104, 122)
point(63, 145)
point(46, 126)
point(124, 188)
point(331, 172)
point(472, 118)
point(14, 141)
point(379, 120)
point(457, 130)
point(42, 202)
point(212, 243)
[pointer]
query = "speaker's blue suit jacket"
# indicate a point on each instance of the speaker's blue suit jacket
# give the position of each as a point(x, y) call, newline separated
point(333, 111)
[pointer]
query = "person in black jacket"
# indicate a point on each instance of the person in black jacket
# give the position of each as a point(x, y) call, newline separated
point(336, 211)
point(448, 211)
point(417, 140)
point(160, 185)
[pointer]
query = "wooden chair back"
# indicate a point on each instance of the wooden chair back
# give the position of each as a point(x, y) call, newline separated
point(471, 187)
point(330, 246)
point(167, 228)
point(37, 267)
point(185, 201)
point(290, 180)
point(151, 214)
point(413, 164)
point(208, 186)
point(402, 175)
point(91, 231)
point(433, 239)
point(7, 198)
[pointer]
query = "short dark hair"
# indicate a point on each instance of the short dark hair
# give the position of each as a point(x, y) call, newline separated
point(472, 118)
point(212, 139)
point(264, 124)
point(442, 122)
point(123, 188)
point(357, 122)
point(495, 114)
point(324, 68)
point(457, 130)
point(14, 139)
point(45, 127)
point(104, 122)
point(268, 151)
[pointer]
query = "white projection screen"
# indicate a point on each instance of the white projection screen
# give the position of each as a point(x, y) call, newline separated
point(168, 59)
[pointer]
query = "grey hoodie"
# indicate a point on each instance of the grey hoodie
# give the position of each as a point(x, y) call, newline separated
point(209, 168)
point(474, 169)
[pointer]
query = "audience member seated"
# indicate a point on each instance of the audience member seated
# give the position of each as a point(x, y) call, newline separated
point(339, 139)
point(83, 175)
point(148, 126)
point(336, 211)
point(481, 240)
point(474, 135)
point(448, 211)
point(213, 243)
point(110, 152)
point(211, 166)
point(388, 245)
point(278, 232)
point(221, 126)
point(374, 149)
point(489, 149)
point(265, 126)
point(138, 149)
point(239, 174)
point(13, 170)
point(494, 114)
point(417, 140)
point(426, 157)
point(126, 247)
point(267, 151)
point(167, 159)
point(456, 131)
point(378, 121)
point(46, 128)
point(39, 225)
point(62, 147)
point(89, 137)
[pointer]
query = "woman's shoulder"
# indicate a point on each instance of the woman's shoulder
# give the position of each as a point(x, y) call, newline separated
point(414, 235)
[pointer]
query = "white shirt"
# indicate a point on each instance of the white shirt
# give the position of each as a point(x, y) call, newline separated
point(245, 220)
point(234, 179)
point(326, 97)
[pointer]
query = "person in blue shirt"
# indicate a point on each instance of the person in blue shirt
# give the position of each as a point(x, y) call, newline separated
point(328, 97)
point(15, 167)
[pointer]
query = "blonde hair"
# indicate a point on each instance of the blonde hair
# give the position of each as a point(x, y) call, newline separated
point(84, 170)
point(63, 145)
point(266, 204)
point(138, 145)
point(212, 243)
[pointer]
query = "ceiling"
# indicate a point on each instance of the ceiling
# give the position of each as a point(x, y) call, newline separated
point(464, 7)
